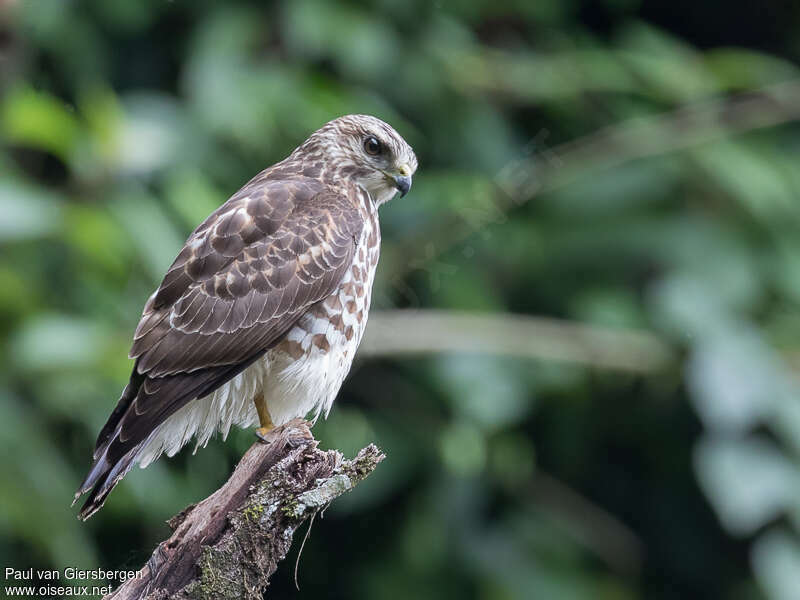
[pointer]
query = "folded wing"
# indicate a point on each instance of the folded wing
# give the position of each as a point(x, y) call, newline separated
point(242, 279)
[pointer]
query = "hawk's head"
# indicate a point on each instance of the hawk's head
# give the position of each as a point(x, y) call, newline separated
point(367, 151)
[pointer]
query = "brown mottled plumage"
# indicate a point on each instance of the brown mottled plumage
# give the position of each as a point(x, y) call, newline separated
point(267, 299)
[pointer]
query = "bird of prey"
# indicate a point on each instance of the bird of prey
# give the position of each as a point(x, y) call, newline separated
point(259, 317)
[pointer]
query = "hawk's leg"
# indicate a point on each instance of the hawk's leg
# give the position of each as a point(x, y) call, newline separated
point(264, 419)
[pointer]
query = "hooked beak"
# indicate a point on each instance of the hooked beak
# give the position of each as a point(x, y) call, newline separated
point(401, 179)
point(402, 183)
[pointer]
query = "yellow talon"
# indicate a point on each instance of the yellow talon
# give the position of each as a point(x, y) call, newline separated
point(263, 418)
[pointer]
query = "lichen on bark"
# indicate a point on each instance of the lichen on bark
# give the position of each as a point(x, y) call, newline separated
point(230, 544)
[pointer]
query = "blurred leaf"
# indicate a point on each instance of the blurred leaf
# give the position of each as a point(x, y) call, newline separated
point(484, 390)
point(16, 295)
point(743, 68)
point(27, 211)
point(150, 230)
point(776, 559)
point(512, 459)
point(616, 191)
point(609, 307)
point(404, 447)
point(152, 134)
point(28, 490)
point(536, 77)
point(58, 342)
point(752, 179)
point(192, 195)
point(105, 118)
point(347, 430)
point(424, 538)
point(688, 308)
point(735, 380)
point(38, 120)
point(749, 482)
point(463, 449)
point(667, 65)
point(100, 239)
point(313, 28)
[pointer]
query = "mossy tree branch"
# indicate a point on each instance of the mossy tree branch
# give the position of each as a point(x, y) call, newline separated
point(228, 545)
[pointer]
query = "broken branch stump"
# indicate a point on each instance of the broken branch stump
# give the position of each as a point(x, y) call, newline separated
point(228, 545)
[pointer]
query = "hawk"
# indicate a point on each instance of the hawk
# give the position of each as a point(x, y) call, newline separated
point(259, 317)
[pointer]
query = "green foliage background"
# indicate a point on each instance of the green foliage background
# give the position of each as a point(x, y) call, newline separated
point(622, 165)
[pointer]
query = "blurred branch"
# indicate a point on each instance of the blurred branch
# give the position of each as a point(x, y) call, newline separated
point(228, 545)
point(686, 127)
point(597, 529)
point(393, 332)
point(543, 169)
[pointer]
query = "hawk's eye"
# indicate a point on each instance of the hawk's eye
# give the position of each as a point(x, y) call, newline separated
point(372, 145)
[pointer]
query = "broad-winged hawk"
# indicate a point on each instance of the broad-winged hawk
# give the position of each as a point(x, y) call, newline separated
point(259, 317)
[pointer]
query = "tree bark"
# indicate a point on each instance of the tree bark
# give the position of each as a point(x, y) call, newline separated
point(228, 545)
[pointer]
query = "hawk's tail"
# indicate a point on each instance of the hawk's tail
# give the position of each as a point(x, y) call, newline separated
point(145, 404)
point(97, 477)
point(102, 478)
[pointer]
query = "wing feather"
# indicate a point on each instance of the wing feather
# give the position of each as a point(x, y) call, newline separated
point(242, 279)
point(306, 245)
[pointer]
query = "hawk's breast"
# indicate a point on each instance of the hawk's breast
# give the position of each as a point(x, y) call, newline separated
point(307, 367)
